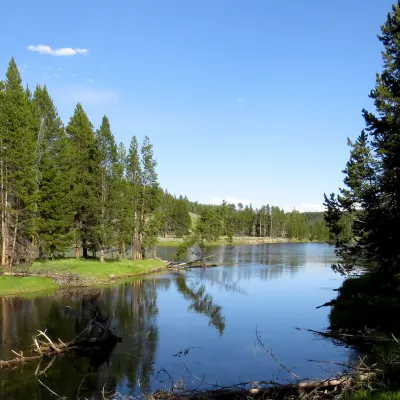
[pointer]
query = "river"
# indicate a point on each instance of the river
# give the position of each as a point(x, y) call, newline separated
point(186, 329)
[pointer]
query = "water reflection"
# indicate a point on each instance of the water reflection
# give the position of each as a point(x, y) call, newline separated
point(201, 302)
point(213, 311)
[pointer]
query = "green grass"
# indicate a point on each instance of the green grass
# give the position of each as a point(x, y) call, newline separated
point(95, 269)
point(368, 395)
point(10, 285)
point(92, 272)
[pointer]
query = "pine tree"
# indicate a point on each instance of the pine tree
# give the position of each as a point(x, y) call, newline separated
point(121, 202)
point(372, 197)
point(150, 197)
point(84, 179)
point(134, 194)
point(18, 132)
point(54, 214)
point(107, 155)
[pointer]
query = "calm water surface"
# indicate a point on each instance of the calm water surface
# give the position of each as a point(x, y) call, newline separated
point(213, 314)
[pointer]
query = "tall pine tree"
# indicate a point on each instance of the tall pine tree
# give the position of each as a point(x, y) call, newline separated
point(108, 157)
point(134, 190)
point(54, 212)
point(371, 199)
point(84, 180)
point(18, 172)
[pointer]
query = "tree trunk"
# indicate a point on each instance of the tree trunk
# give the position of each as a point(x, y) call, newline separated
point(102, 255)
point(14, 244)
point(123, 251)
point(77, 250)
point(85, 250)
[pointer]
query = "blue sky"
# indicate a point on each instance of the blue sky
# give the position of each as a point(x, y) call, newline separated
point(249, 101)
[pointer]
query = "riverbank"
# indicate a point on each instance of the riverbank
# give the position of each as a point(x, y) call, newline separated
point(237, 240)
point(52, 275)
point(364, 309)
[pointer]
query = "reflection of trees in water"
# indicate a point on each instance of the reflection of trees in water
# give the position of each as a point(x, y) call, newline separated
point(132, 308)
point(202, 302)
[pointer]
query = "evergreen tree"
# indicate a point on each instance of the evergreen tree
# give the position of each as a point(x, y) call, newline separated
point(107, 153)
point(18, 132)
point(134, 192)
point(121, 202)
point(84, 179)
point(150, 197)
point(372, 197)
point(54, 212)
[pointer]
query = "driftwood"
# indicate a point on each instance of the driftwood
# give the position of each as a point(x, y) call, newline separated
point(97, 333)
point(199, 263)
point(260, 389)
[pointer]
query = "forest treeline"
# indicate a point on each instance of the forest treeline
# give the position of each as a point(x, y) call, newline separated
point(267, 221)
point(73, 185)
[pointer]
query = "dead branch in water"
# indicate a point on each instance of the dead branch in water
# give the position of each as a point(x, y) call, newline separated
point(359, 337)
point(198, 263)
point(98, 332)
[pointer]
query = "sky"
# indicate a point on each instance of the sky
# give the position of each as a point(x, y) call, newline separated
point(249, 101)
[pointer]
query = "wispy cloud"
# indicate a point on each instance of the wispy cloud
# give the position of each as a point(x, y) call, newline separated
point(308, 207)
point(233, 200)
point(56, 75)
point(239, 100)
point(90, 80)
point(64, 51)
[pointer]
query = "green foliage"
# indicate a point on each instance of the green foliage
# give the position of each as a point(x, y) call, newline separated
point(110, 174)
point(84, 177)
point(19, 172)
point(54, 213)
point(371, 199)
point(366, 302)
point(268, 222)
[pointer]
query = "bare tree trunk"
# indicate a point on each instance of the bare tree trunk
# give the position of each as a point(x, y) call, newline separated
point(123, 251)
point(77, 250)
point(4, 227)
point(14, 244)
point(102, 255)
point(85, 249)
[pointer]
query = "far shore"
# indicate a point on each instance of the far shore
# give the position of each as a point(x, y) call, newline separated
point(237, 240)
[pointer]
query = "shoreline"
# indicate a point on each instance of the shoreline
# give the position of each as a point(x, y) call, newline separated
point(237, 240)
point(74, 273)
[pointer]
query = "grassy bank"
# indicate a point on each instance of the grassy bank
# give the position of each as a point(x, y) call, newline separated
point(99, 271)
point(11, 286)
point(85, 273)
point(237, 240)
point(370, 395)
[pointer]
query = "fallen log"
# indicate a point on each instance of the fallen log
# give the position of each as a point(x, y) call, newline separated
point(97, 333)
point(198, 263)
point(260, 389)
